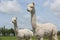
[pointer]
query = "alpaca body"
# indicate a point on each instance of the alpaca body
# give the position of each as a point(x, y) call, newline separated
point(21, 33)
point(41, 30)
point(24, 33)
point(46, 29)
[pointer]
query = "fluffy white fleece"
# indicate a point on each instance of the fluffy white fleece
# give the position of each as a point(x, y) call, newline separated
point(41, 30)
point(21, 33)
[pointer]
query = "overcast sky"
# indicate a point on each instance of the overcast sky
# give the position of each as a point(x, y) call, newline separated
point(47, 11)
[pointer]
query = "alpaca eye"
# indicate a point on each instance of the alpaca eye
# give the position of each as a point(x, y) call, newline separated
point(31, 7)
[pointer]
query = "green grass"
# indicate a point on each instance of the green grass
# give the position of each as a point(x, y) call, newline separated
point(59, 37)
point(14, 38)
point(8, 38)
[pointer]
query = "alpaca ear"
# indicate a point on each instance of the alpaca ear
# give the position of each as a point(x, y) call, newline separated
point(33, 3)
point(16, 17)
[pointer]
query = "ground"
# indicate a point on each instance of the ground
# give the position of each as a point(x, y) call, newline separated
point(14, 38)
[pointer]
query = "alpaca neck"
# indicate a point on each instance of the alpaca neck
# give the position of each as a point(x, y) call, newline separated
point(33, 20)
point(15, 28)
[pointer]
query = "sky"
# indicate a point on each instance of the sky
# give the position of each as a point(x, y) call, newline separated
point(47, 11)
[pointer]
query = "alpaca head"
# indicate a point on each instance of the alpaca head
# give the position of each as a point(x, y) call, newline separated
point(14, 20)
point(30, 7)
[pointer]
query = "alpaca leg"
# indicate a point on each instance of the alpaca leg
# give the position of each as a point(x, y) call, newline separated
point(41, 38)
point(30, 39)
point(50, 38)
point(37, 38)
point(55, 37)
point(19, 39)
point(26, 39)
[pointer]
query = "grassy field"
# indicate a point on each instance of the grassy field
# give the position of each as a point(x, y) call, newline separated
point(14, 38)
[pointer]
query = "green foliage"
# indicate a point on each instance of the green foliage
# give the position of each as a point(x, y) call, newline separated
point(58, 32)
point(6, 32)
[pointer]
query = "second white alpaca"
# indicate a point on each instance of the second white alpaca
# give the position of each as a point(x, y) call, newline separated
point(21, 33)
point(41, 30)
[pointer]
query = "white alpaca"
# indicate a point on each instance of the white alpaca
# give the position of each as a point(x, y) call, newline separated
point(21, 33)
point(41, 30)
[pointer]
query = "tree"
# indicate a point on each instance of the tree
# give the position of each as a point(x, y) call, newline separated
point(12, 31)
point(58, 32)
